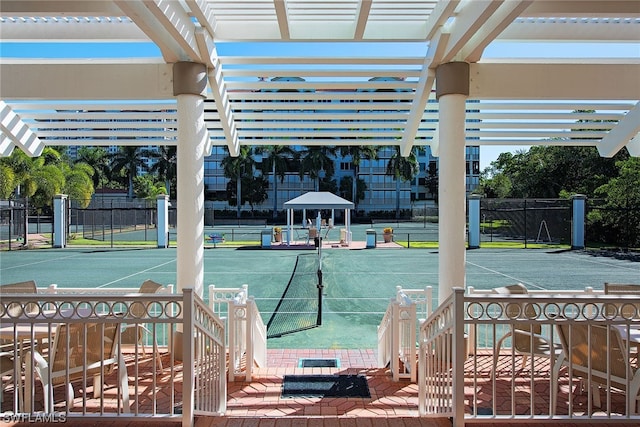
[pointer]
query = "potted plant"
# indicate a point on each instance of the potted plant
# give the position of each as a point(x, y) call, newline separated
point(387, 233)
point(277, 234)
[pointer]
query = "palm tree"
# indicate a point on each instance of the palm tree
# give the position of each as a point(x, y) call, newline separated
point(315, 160)
point(402, 169)
point(166, 165)
point(277, 161)
point(127, 161)
point(78, 182)
point(98, 159)
point(358, 153)
point(237, 167)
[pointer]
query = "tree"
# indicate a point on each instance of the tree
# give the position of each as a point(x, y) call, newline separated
point(358, 153)
point(235, 168)
point(620, 215)
point(277, 161)
point(402, 169)
point(318, 163)
point(98, 159)
point(7, 180)
point(126, 163)
point(166, 166)
point(78, 182)
point(255, 190)
point(146, 188)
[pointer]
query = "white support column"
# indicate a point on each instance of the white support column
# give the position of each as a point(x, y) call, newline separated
point(189, 86)
point(452, 90)
point(162, 221)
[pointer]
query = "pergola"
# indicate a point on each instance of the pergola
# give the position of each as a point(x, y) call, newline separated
point(363, 90)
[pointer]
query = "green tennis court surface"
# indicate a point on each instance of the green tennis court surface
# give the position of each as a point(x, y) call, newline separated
point(357, 283)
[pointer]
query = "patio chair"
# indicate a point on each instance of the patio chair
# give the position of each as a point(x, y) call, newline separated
point(80, 351)
point(597, 352)
point(313, 233)
point(527, 339)
point(6, 369)
point(135, 333)
point(27, 287)
point(628, 311)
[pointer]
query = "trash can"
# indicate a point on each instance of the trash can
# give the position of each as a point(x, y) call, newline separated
point(343, 235)
point(371, 238)
point(266, 237)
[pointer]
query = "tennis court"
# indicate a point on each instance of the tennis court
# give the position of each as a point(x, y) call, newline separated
point(357, 283)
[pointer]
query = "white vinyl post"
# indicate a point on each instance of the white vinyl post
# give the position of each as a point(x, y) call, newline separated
point(163, 220)
point(452, 89)
point(60, 220)
point(190, 82)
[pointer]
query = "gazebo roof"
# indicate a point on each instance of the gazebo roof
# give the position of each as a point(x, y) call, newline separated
point(318, 200)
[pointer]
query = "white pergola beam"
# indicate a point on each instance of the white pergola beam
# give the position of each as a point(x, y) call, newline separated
point(167, 24)
point(90, 80)
point(219, 91)
point(18, 131)
point(6, 146)
point(494, 25)
point(58, 7)
point(544, 81)
point(620, 135)
point(470, 20)
point(571, 8)
point(280, 7)
point(362, 18)
point(633, 147)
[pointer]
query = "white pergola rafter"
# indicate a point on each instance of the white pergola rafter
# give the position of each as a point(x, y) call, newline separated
point(18, 132)
point(622, 134)
point(167, 24)
point(6, 146)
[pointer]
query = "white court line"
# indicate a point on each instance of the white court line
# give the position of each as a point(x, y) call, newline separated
point(136, 273)
point(40, 262)
point(528, 284)
point(624, 267)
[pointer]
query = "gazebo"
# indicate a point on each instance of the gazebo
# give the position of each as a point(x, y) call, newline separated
point(318, 200)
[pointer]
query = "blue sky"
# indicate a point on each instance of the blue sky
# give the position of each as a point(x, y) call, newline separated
point(495, 50)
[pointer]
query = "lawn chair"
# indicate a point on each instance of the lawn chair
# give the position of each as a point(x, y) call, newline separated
point(135, 333)
point(598, 353)
point(527, 339)
point(312, 235)
point(80, 351)
point(628, 311)
point(28, 287)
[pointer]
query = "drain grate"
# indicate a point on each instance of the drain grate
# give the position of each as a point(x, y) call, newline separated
point(318, 363)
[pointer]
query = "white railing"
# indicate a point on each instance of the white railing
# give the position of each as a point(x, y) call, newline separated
point(549, 375)
point(34, 326)
point(246, 332)
point(256, 339)
point(397, 332)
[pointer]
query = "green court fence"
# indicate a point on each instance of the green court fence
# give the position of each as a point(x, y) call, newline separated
point(526, 220)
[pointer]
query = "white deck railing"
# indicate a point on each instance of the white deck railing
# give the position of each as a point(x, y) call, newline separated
point(397, 331)
point(462, 375)
point(246, 332)
point(29, 322)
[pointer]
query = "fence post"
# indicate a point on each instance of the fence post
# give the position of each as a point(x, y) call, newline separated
point(187, 357)
point(577, 221)
point(474, 221)
point(459, 357)
point(59, 220)
point(163, 220)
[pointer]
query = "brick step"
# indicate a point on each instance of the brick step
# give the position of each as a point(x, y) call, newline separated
point(322, 421)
